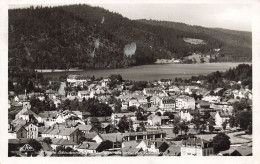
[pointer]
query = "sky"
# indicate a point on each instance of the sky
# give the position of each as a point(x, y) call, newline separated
point(235, 16)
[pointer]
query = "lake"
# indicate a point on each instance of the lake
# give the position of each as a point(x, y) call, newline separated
point(155, 71)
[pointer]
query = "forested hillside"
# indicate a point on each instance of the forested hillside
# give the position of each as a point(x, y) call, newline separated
point(235, 44)
point(81, 36)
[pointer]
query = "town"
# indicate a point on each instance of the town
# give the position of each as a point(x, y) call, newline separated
point(78, 115)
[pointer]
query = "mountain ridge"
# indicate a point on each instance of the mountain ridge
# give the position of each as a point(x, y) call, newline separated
point(66, 37)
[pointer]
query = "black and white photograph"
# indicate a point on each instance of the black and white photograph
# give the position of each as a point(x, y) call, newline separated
point(125, 79)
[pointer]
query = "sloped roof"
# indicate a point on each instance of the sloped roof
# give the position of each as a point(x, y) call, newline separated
point(27, 148)
point(130, 114)
point(59, 131)
point(46, 114)
point(89, 145)
point(26, 111)
point(197, 141)
point(17, 128)
point(50, 91)
point(64, 142)
point(85, 127)
point(244, 150)
point(46, 146)
point(113, 137)
point(131, 151)
point(173, 150)
point(152, 116)
point(131, 144)
point(84, 92)
point(90, 135)
point(19, 121)
point(153, 109)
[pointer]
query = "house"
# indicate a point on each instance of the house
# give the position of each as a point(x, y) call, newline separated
point(155, 100)
point(27, 114)
point(167, 103)
point(150, 91)
point(130, 151)
point(77, 79)
point(153, 146)
point(154, 110)
point(48, 117)
point(17, 132)
point(115, 117)
point(237, 151)
point(212, 99)
point(196, 147)
point(105, 82)
point(187, 114)
point(185, 102)
point(84, 94)
point(115, 138)
point(154, 120)
point(72, 134)
point(191, 89)
point(88, 147)
point(173, 150)
point(86, 128)
point(51, 93)
point(27, 149)
point(63, 142)
point(72, 95)
point(202, 104)
point(221, 117)
point(32, 130)
point(66, 115)
point(129, 136)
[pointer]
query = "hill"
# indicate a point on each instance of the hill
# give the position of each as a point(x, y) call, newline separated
point(81, 36)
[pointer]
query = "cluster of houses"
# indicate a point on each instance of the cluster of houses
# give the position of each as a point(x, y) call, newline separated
point(71, 128)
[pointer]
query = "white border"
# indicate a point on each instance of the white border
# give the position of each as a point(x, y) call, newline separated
point(112, 160)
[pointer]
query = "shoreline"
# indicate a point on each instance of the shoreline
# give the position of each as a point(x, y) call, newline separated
point(93, 69)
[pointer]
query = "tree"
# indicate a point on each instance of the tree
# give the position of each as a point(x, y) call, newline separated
point(142, 127)
point(131, 108)
point(244, 118)
point(125, 124)
point(35, 144)
point(211, 125)
point(60, 149)
point(47, 140)
point(68, 149)
point(170, 114)
point(112, 129)
point(184, 127)
point(241, 105)
point(158, 114)
point(224, 124)
point(95, 122)
point(202, 60)
point(221, 142)
point(176, 129)
point(104, 146)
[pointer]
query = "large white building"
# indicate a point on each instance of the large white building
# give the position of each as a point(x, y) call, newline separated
point(196, 147)
point(185, 102)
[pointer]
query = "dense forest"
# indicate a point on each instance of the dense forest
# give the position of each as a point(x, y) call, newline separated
point(81, 36)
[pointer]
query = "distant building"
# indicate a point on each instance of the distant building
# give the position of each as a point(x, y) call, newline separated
point(77, 79)
point(72, 134)
point(221, 117)
point(196, 147)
